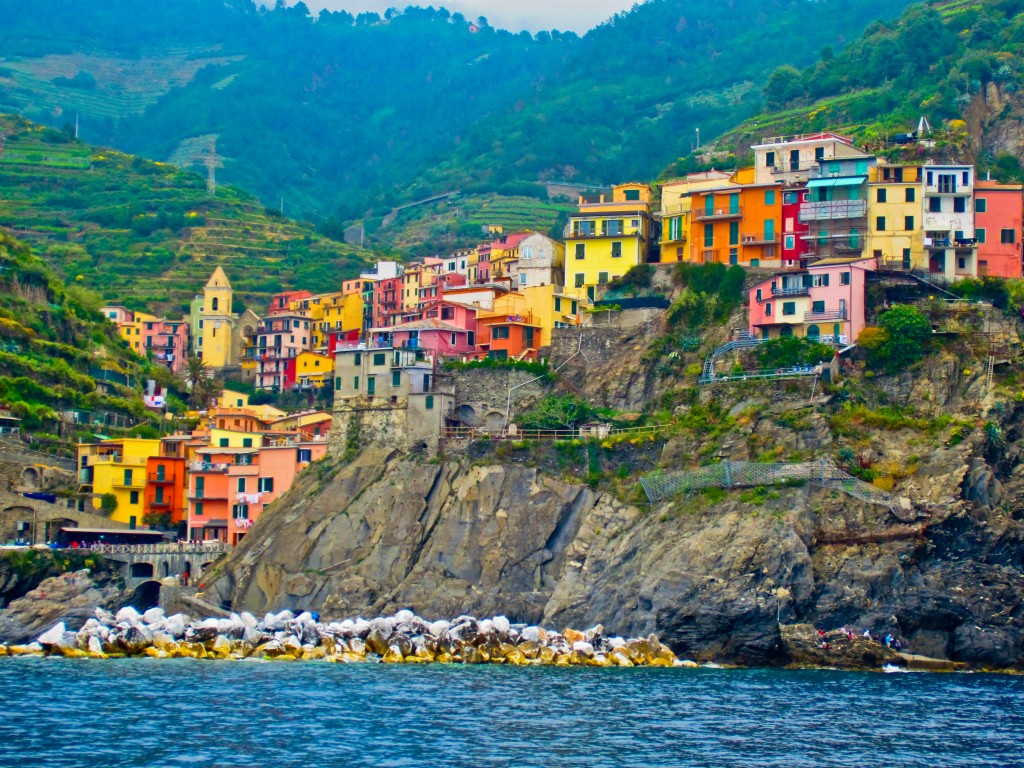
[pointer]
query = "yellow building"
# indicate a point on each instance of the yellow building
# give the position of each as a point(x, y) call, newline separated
point(313, 369)
point(117, 467)
point(552, 308)
point(895, 216)
point(341, 312)
point(608, 235)
point(231, 399)
point(676, 210)
point(216, 322)
point(231, 438)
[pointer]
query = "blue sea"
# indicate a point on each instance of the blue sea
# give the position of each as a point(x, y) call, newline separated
point(183, 712)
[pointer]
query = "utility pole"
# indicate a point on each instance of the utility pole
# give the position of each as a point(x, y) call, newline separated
point(76, 126)
point(211, 166)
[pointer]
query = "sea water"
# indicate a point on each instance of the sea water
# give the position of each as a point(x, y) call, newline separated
point(183, 712)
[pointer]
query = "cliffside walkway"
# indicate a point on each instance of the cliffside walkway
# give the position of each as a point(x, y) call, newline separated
point(748, 474)
point(147, 562)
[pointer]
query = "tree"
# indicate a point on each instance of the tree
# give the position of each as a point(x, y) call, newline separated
point(202, 387)
point(901, 339)
point(108, 504)
point(557, 412)
point(783, 86)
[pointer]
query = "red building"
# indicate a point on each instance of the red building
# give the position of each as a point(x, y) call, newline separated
point(794, 245)
point(281, 303)
point(998, 218)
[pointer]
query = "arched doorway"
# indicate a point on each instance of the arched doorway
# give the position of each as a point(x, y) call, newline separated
point(813, 332)
point(145, 596)
point(786, 331)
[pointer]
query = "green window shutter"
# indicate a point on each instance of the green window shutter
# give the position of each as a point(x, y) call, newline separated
point(734, 232)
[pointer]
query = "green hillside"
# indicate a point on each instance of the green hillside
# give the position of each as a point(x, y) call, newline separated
point(956, 63)
point(350, 116)
point(148, 234)
point(58, 354)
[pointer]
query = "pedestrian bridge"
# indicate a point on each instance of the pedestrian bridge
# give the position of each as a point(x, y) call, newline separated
point(143, 563)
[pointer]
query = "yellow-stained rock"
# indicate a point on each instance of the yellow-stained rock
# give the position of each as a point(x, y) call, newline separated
point(529, 649)
point(24, 650)
point(415, 660)
point(620, 659)
point(667, 655)
point(443, 658)
point(73, 653)
point(392, 656)
point(221, 647)
point(660, 662)
point(319, 652)
point(546, 655)
point(572, 636)
point(3, 650)
point(349, 657)
point(563, 660)
point(515, 657)
point(156, 653)
point(599, 660)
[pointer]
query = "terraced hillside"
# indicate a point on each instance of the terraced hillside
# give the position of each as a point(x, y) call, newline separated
point(149, 234)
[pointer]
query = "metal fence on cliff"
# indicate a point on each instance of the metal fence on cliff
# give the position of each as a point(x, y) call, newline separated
point(749, 474)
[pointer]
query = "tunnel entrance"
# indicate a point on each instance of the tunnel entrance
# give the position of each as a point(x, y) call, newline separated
point(145, 596)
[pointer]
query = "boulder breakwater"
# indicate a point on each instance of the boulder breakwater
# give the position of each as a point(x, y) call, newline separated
point(403, 638)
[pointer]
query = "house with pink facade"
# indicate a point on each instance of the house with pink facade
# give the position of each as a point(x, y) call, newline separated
point(278, 341)
point(436, 337)
point(998, 218)
point(166, 341)
point(825, 301)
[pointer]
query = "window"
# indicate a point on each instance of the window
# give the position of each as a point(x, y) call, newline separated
point(734, 202)
point(908, 223)
point(769, 159)
point(580, 250)
point(396, 378)
point(906, 258)
point(844, 278)
point(959, 205)
point(371, 385)
point(265, 484)
point(247, 442)
point(981, 205)
point(358, 359)
point(337, 383)
point(631, 194)
point(614, 226)
point(200, 487)
point(758, 294)
point(755, 263)
point(522, 275)
point(379, 358)
point(734, 232)
point(817, 307)
point(934, 205)
point(558, 304)
point(579, 279)
point(215, 304)
point(880, 196)
point(675, 228)
point(197, 508)
point(305, 455)
point(1007, 236)
point(501, 331)
point(127, 477)
point(240, 511)
point(789, 308)
point(158, 495)
point(961, 263)
point(768, 309)
point(769, 230)
point(355, 383)
point(819, 154)
point(602, 278)
point(161, 471)
point(880, 223)
point(980, 235)
point(769, 197)
point(958, 235)
point(244, 459)
point(240, 485)
point(911, 194)
point(133, 497)
point(709, 234)
point(428, 402)
point(790, 242)
point(224, 442)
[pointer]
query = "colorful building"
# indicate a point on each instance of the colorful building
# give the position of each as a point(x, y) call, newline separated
point(998, 221)
point(215, 322)
point(677, 208)
point(949, 240)
point(436, 337)
point(895, 234)
point(541, 262)
point(836, 208)
point(278, 342)
point(166, 482)
point(797, 248)
point(737, 223)
point(312, 369)
point(789, 160)
point(824, 302)
point(166, 341)
point(117, 467)
point(607, 236)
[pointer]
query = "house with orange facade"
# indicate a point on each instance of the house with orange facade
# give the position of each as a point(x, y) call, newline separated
point(166, 480)
point(738, 222)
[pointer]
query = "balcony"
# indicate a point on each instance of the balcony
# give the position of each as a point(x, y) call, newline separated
point(208, 467)
point(719, 214)
point(160, 504)
point(130, 461)
point(829, 314)
point(800, 290)
point(571, 234)
point(757, 240)
point(827, 210)
point(160, 479)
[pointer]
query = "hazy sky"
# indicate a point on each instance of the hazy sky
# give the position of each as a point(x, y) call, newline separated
point(577, 15)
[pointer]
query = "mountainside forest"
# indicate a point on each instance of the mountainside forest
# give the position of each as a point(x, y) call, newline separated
point(346, 116)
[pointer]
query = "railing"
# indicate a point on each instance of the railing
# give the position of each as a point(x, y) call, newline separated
point(211, 548)
point(795, 372)
point(580, 433)
point(718, 213)
point(156, 477)
point(160, 503)
point(570, 234)
point(833, 209)
point(206, 466)
point(798, 291)
point(116, 459)
point(832, 314)
point(758, 240)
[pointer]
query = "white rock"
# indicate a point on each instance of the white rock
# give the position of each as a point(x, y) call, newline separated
point(252, 635)
point(127, 615)
point(404, 616)
point(285, 615)
point(153, 615)
point(95, 646)
point(146, 632)
point(105, 617)
point(175, 625)
point(615, 642)
point(438, 628)
point(162, 638)
point(531, 634)
point(304, 618)
point(54, 635)
point(501, 624)
point(485, 627)
point(583, 647)
point(210, 624)
point(272, 623)
point(248, 619)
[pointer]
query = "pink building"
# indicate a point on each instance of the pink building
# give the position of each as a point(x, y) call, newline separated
point(436, 337)
point(166, 341)
point(281, 303)
point(998, 219)
point(824, 301)
point(278, 341)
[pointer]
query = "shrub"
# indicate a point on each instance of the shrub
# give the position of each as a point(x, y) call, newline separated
point(557, 412)
point(108, 503)
point(904, 339)
point(791, 351)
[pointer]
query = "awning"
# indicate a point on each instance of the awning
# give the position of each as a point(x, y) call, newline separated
point(216, 524)
point(839, 181)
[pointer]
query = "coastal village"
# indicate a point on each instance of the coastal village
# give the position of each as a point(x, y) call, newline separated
point(813, 222)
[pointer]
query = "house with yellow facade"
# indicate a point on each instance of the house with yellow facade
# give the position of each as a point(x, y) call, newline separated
point(607, 236)
point(118, 468)
point(129, 325)
point(738, 222)
point(312, 369)
point(895, 234)
point(676, 211)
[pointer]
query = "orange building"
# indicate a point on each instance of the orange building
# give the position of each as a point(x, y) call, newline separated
point(737, 223)
point(502, 336)
point(165, 488)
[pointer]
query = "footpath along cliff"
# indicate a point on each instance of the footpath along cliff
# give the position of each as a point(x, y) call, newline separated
point(559, 534)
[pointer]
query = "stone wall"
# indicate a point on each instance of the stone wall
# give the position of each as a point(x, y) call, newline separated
point(482, 395)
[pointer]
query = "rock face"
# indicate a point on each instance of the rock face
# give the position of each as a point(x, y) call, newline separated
point(71, 598)
point(714, 581)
